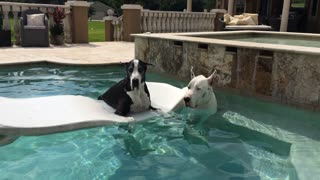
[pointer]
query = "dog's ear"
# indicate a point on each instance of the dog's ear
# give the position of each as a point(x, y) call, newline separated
point(148, 64)
point(192, 73)
point(212, 78)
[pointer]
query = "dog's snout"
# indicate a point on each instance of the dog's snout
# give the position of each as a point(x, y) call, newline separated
point(135, 83)
point(186, 99)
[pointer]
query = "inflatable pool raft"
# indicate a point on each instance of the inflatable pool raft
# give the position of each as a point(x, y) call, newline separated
point(45, 115)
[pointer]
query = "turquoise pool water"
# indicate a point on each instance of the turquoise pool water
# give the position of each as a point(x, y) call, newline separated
point(246, 139)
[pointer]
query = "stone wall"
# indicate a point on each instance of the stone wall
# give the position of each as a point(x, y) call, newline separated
point(284, 77)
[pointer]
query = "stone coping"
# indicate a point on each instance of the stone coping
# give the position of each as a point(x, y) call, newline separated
point(96, 53)
point(189, 37)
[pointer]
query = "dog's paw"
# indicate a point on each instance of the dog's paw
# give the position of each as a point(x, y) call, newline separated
point(154, 109)
point(129, 119)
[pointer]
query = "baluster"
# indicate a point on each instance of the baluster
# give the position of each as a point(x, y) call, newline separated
point(159, 22)
point(17, 28)
point(155, 21)
point(188, 22)
point(6, 23)
point(67, 26)
point(203, 22)
point(114, 23)
point(197, 22)
point(208, 20)
point(213, 17)
point(145, 25)
point(171, 22)
point(168, 22)
point(50, 19)
point(164, 21)
point(185, 22)
point(194, 24)
point(121, 28)
point(177, 22)
point(150, 18)
point(174, 18)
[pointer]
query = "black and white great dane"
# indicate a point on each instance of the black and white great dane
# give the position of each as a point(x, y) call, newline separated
point(130, 95)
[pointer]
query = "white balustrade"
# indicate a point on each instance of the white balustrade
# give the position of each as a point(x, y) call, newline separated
point(172, 21)
point(16, 8)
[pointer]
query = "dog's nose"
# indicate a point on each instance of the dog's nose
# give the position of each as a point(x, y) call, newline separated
point(135, 83)
point(186, 99)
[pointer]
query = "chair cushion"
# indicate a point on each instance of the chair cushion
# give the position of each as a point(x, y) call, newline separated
point(35, 20)
point(34, 27)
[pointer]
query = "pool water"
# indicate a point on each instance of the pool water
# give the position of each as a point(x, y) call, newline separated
point(246, 139)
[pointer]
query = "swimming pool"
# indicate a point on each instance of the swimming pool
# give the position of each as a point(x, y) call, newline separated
point(246, 139)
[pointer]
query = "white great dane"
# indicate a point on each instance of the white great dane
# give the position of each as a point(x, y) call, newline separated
point(199, 95)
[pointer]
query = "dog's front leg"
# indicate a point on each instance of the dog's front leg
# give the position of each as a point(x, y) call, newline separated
point(123, 108)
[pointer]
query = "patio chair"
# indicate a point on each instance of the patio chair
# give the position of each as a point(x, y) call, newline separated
point(34, 29)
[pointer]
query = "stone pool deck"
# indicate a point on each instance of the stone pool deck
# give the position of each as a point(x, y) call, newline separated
point(83, 54)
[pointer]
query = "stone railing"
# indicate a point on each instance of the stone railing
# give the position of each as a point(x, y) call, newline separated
point(135, 20)
point(16, 8)
point(171, 21)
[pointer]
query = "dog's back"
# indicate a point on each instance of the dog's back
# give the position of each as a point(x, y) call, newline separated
point(117, 98)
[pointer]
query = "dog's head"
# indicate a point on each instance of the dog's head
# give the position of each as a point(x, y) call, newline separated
point(136, 73)
point(199, 90)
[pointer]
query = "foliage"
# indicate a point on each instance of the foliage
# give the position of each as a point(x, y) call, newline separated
point(58, 15)
point(57, 29)
point(96, 31)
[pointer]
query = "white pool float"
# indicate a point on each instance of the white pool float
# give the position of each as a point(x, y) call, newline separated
point(45, 115)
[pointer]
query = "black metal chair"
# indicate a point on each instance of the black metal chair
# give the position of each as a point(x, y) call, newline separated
point(34, 36)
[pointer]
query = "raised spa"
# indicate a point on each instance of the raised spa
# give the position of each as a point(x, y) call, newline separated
point(279, 66)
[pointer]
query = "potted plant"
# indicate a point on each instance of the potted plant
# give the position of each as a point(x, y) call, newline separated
point(56, 30)
point(5, 35)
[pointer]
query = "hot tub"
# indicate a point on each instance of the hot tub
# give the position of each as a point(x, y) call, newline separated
point(279, 66)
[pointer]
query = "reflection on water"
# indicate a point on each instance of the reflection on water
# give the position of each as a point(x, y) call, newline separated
point(174, 146)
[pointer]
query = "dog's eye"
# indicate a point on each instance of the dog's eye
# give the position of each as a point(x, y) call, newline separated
point(189, 87)
point(198, 89)
point(140, 69)
point(130, 69)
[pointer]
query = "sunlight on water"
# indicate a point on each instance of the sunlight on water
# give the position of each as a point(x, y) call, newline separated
point(246, 139)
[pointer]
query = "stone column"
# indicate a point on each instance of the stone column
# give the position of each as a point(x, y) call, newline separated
point(131, 20)
point(79, 21)
point(285, 15)
point(189, 5)
point(230, 7)
point(108, 27)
